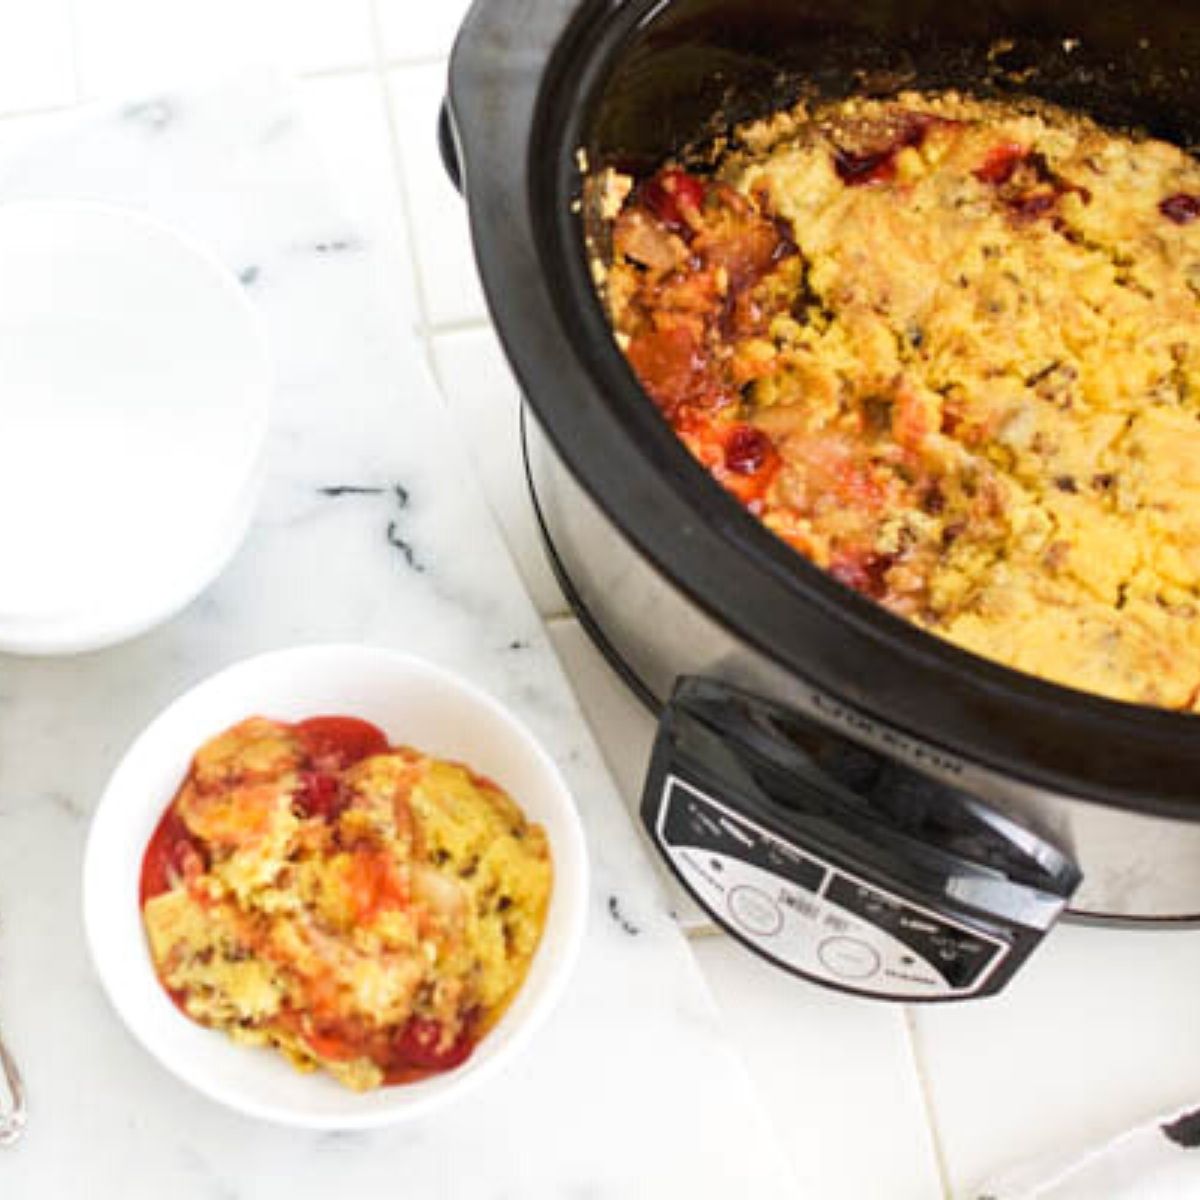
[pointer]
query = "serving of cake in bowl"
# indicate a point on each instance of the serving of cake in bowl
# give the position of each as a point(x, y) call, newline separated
point(363, 908)
point(313, 922)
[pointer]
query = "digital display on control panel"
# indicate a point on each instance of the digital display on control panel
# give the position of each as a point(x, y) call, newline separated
point(811, 915)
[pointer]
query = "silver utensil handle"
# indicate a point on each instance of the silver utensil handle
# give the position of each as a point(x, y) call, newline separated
point(12, 1099)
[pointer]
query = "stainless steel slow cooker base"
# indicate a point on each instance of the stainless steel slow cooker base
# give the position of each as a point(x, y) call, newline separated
point(859, 802)
point(1138, 870)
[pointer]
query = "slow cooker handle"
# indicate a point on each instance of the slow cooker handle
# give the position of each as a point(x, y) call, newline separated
point(448, 146)
point(838, 863)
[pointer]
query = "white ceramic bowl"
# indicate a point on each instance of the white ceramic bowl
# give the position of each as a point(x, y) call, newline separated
point(413, 702)
point(137, 388)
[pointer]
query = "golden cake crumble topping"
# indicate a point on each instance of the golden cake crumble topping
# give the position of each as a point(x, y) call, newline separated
point(361, 907)
point(947, 349)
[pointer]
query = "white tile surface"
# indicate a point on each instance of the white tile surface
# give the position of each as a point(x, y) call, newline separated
point(127, 45)
point(486, 404)
point(36, 55)
point(1099, 1031)
point(413, 30)
point(836, 1074)
point(347, 117)
point(623, 726)
point(18, 132)
point(625, 732)
point(449, 285)
point(407, 558)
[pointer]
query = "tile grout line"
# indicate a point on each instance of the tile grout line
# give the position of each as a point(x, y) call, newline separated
point(418, 60)
point(397, 160)
point(76, 74)
point(460, 325)
point(931, 1124)
point(39, 110)
point(338, 72)
point(379, 65)
point(559, 617)
point(377, 62)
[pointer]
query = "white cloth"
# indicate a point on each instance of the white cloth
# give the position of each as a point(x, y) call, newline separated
point(1159, 1160)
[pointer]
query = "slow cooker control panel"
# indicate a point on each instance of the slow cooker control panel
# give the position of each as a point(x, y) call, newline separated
point(811, 917)
point(839, 864)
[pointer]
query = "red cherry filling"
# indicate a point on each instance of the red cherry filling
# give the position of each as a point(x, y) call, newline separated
point(318, 795)
point(418, 1044)
point(877, 164)
point(1001, 163)
point(669, 195)
point(1182, 208)
point(746, 450)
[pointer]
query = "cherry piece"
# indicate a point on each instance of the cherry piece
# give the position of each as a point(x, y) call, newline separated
point(1182, 208)
point(746, 450)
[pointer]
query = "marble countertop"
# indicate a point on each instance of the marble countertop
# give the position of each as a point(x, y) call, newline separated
point(862, 1100)
point(371, 528)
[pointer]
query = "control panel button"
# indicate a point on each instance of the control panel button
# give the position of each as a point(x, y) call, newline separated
point(755, 911)
point(849, 958)
point(813, 917)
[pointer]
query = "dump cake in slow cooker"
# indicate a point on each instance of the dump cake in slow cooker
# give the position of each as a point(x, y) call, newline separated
point(947, 349)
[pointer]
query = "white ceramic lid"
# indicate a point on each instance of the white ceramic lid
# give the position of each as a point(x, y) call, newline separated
point(134, 395)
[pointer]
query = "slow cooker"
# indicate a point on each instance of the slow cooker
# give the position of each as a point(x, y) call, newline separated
point(852, 798)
